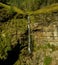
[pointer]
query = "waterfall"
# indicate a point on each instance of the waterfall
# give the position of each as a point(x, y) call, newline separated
point(29, 38)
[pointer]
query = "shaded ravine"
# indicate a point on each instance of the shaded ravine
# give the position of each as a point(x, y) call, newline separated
point(13, 55)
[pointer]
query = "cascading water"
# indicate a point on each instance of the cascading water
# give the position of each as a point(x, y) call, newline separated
point(29, 38)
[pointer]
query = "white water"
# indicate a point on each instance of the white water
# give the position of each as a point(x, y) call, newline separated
point(29, 38)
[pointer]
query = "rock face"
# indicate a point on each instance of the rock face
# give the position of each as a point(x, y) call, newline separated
point(46, 27)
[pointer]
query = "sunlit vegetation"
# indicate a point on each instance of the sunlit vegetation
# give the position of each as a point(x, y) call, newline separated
point(47, 60)
point(4, 45)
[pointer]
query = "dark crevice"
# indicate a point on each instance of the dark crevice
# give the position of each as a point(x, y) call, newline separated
point(13, 55)
point(37, 30)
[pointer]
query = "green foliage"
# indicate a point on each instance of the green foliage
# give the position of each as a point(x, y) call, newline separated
point(47, 60)
point(9, 27)
point(4, 45)
point(51, 46)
